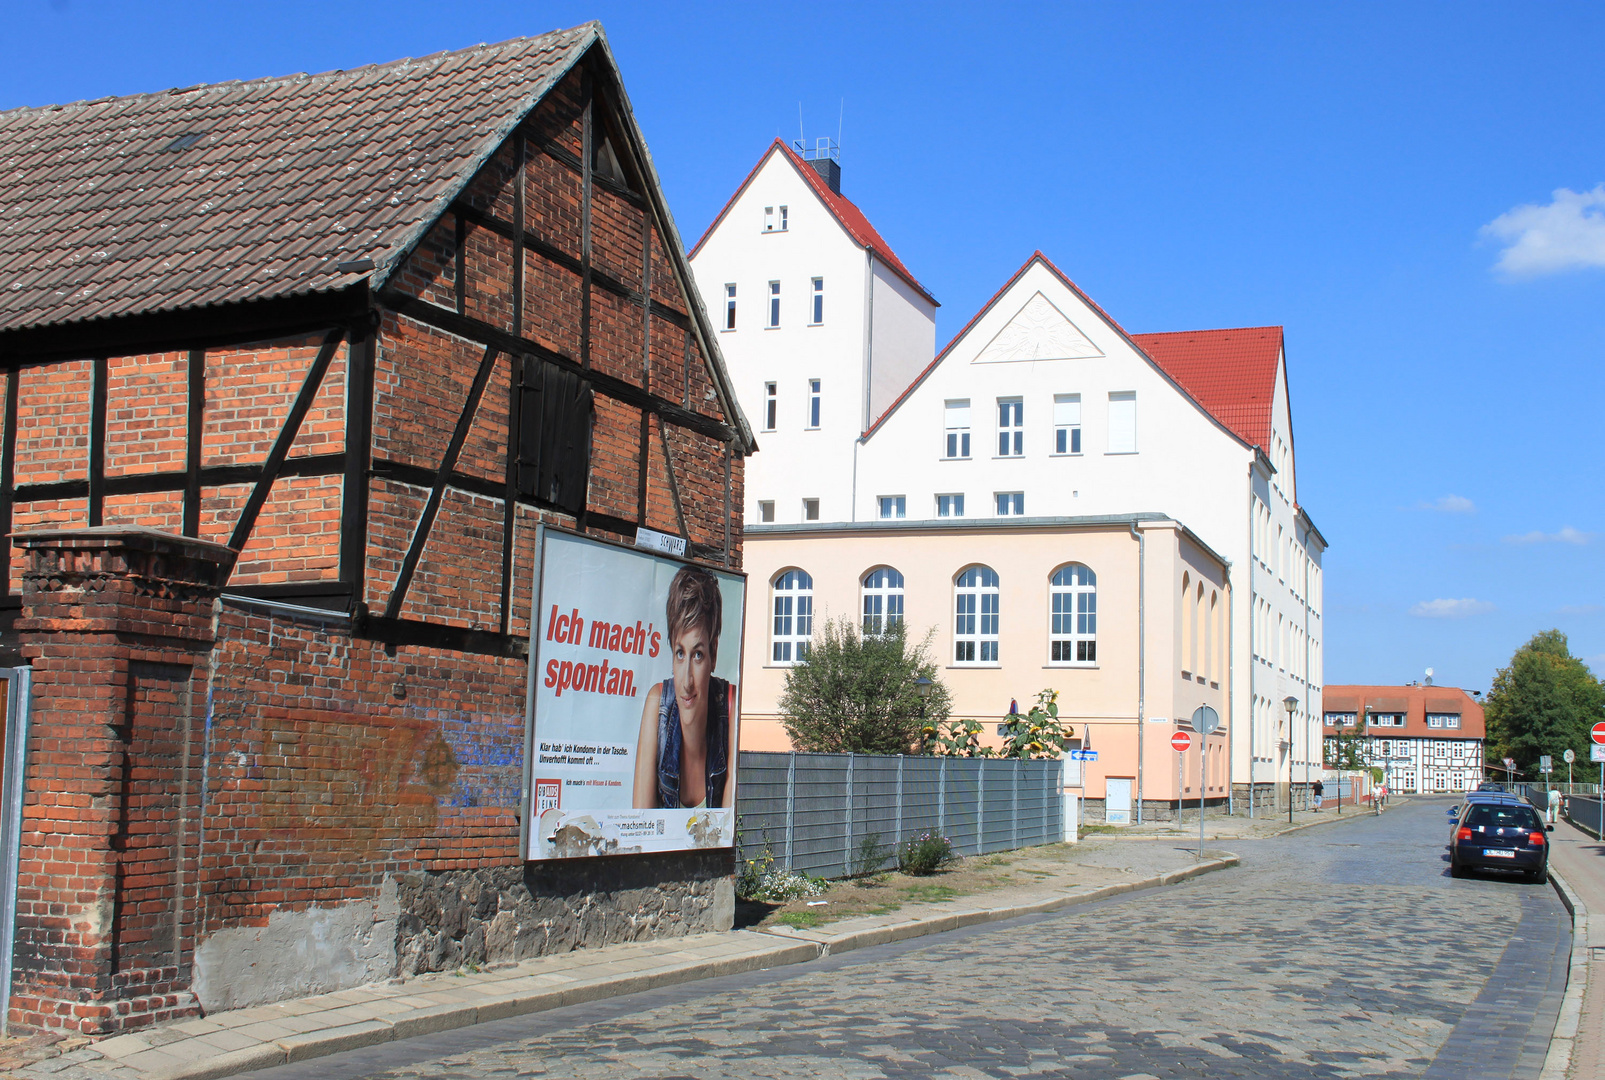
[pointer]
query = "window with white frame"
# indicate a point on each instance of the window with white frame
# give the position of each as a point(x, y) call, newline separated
point(1340, 719)
point(1010, 503)
point(893, 506)
point(1123, 422)
point(1443, 720)
point(956, 425)
point(818, 311)
point(1067, 423)
point(774, 304)
point(771, 405)
point(730, 307)
point(785, 219)
point(975, 617)
point(769, 219)
point(810, 509)
point(950, 506)
point(883, 600)
point(1073, 635)
point(793, 607)
point(766, 511)
point(813, 403)
point(1011, 427)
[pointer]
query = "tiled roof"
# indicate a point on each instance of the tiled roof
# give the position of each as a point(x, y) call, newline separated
point(98, 218)
point(852, 219)
point(1231, 373)
point(1415, 702)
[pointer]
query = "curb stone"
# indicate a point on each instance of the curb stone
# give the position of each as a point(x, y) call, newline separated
point(773, 948)
point(1559, 1059)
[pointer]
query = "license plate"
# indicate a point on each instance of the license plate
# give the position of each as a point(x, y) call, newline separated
point(1497, 853)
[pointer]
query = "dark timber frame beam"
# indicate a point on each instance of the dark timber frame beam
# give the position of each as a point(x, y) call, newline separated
point(195, 415)
point(97, 442)
point(437, 490)
point(358, 452)
point(286, 438)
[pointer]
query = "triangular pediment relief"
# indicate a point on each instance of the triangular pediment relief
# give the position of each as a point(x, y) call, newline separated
point(1038, 331)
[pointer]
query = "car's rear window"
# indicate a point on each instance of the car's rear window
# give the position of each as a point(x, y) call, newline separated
point(1503, 817)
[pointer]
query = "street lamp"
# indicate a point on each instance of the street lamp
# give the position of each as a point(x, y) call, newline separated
point(923, 687)
point(1290, 703)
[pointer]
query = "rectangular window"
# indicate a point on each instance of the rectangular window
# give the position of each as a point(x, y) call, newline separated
point(1011, 503)
point(730, 307)
point(1443, 720)
point(893, 506)
point(771, 405)
point(950, 506)
point(785, 219)
point(1011, 427)
point(813, 403)
point(956, 421)
point(769, 219)
point(554, 439)
point(1067, 423)
point(774, 304)
point(819, 301)
point(766, 510)
point(1123, 423)
point(810, 509)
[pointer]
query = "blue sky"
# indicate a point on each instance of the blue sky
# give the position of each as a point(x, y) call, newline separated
point(1332, 168)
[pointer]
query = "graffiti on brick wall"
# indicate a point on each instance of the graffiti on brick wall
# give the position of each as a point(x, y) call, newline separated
point(489, 756)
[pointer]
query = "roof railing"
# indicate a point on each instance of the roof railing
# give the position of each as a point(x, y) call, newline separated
point(824, 148)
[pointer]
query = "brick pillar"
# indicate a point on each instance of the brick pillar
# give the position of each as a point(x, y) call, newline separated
point(117, 623)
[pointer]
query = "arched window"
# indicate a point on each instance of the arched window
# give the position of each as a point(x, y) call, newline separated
point(1074, 638)
point(794, 617)
point(975, 617)
point(1187, 627)
point(883, 600)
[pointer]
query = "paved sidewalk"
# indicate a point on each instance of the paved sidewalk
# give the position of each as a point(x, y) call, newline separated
point(227, 1043)
point(1579, 860)
point(1218, 825)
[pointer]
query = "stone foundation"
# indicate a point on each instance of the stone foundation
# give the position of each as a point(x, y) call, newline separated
point(455, 918)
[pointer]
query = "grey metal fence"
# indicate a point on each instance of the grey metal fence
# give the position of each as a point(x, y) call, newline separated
point(814, 810)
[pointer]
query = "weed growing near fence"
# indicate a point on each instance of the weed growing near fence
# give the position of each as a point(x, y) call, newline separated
point(924, 854)
point(871, 856)
point(760, 879)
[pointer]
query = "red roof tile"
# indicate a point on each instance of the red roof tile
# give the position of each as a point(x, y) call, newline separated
point(1415, 702)
point(842, 208)
point(1231, 373)
point(289, 176)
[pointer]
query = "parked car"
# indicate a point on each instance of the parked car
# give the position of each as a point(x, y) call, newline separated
point(1500, 834)
point(1490, 785)
point(1480, 797)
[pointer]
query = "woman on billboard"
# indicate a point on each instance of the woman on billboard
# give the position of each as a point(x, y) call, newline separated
point(688, 744)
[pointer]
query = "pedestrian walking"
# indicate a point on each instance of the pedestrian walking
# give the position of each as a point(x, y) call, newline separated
point(1320, 791)
point(1554, 804)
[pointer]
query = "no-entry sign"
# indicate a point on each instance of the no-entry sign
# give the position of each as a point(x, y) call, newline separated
point(1597, 733)
point(1182, 740)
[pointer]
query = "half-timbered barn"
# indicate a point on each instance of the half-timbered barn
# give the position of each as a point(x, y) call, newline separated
point(293, 368)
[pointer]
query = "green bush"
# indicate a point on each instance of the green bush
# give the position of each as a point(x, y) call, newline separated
point(924, 854)
point(872, 855)
point(760, 879)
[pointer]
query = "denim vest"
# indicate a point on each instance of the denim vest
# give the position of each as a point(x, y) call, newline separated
point(670, 739)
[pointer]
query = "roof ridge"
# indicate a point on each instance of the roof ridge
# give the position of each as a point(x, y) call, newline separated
point(1210, 330)
point(294, 76)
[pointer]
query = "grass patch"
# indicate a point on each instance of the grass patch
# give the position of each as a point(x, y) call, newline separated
point(929, 893)
point(800, 920)
point(1094, 829)
point(884, 909)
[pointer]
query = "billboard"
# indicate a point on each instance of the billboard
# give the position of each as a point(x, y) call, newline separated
point(633, 703)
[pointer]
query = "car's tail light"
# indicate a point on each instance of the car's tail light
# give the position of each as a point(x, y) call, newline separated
point(1463, 834)
point(1536, 839)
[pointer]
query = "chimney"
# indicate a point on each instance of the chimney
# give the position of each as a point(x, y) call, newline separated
point(825, 157)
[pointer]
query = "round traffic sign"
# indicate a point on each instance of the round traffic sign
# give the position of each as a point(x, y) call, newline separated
point(1181, 741)
point(1597, 733)
point(1570, 756)
point(1205, 720)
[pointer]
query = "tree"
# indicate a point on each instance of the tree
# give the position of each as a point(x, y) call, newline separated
point(1544, 702)
point(1349, 749)
point(856, 693)
point(1036, 734)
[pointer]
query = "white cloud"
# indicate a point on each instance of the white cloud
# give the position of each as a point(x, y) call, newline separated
point(1581, 609)
point(1567, 234)
point(1450, 609)
point(1567, 535)
point(1450, 504)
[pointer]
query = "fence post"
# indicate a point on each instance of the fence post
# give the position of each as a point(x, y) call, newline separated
point(1014, 826)
point(897, 832)
point(791, 803)
point(980, 807)
point(941, 799)
point(847, 860)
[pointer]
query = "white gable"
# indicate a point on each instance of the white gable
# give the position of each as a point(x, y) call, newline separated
point(1038, 331)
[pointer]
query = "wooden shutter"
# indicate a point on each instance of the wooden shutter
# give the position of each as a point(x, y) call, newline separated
point(554, 440)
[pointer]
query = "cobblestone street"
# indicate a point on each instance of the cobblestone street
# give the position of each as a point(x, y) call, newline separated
point(1340, 951)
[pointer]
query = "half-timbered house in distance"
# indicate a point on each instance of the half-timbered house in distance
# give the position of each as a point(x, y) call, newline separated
point(293, 368)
